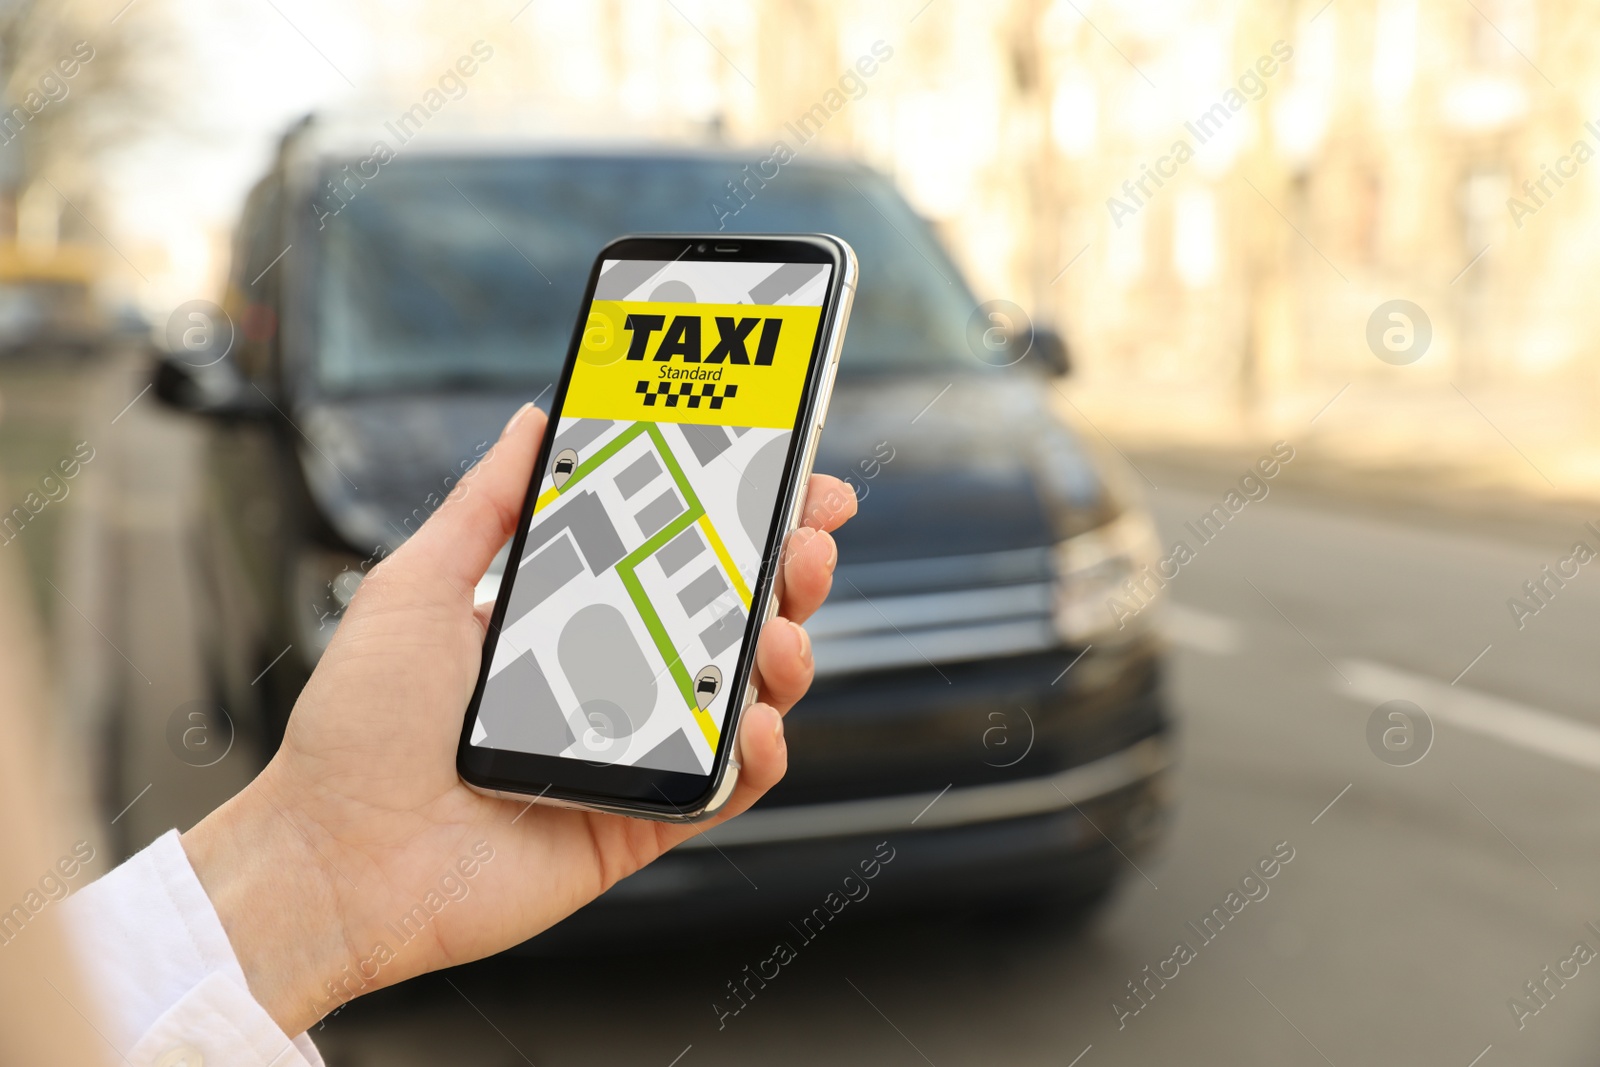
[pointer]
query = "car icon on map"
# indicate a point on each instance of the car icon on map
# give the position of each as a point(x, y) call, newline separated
point(561, 469)
point(706, 685)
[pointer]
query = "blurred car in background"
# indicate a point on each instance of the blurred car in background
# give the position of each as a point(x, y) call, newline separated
point(974, 702)
point(47, 301)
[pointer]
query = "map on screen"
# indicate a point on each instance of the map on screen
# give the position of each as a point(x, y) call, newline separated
point(633, 588)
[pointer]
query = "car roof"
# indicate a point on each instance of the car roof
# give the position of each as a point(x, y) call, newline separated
point(320, 137)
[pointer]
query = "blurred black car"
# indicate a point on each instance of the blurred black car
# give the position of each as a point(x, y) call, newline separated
point(975, 705)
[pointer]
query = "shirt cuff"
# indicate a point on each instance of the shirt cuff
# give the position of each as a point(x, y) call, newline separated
point(169, 986)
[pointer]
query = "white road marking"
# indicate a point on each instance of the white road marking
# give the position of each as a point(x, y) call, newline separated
point(1521, 725)
point(1200, 630)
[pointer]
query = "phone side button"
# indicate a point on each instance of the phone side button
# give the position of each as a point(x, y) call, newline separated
point(825, 394)
point(803, 479)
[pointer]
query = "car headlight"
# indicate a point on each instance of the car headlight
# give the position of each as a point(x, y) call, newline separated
point(325, 582)
point(1107, 580)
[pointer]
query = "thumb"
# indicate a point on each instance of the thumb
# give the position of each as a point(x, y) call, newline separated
point(460, 539)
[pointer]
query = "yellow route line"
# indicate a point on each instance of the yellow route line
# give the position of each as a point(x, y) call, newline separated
point(545, 498)
point(727, 561)
point(707, 727)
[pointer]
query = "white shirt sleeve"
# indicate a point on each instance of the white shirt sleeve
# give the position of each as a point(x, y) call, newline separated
point(170, 990)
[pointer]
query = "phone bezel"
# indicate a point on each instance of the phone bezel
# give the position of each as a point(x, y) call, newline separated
point(639, 790)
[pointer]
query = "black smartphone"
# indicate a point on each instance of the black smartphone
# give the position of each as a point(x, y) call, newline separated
point(675, 464)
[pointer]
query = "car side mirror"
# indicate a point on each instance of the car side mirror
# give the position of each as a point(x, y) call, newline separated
point(1051, 349)
point(185, 382)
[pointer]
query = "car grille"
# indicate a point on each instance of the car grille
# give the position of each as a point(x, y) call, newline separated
point(944, 610)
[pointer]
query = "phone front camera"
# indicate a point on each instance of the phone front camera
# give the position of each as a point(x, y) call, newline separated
point(700, 248)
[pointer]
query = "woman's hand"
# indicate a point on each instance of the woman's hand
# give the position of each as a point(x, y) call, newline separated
point(358, 858)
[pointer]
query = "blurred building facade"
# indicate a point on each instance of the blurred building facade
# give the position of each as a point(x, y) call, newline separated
point(1206, 195)
point(1342, 154)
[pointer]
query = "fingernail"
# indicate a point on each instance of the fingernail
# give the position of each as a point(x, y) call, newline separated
point(833, 554)
point(523, 410)
point(805, 642)
point(777, 729)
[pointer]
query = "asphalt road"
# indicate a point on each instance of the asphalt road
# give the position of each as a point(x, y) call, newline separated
point(1419, 899)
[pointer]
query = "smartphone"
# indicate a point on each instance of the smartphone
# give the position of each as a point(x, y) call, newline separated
point(675, 463)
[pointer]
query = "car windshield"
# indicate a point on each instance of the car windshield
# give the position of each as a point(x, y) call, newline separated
point(468, 271)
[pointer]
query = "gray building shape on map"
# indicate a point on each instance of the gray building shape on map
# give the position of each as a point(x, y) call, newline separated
point(660, 511)
point(680, 552)
point(720, 635)
point(540, 574)
point(638, 474)
point(519, 711)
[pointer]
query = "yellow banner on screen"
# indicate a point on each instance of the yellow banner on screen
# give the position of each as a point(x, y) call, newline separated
point(712, 364)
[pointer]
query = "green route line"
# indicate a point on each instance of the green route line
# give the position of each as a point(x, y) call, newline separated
point(610, 449)
point(672, 466)
point(629, 563)
point(647, 611)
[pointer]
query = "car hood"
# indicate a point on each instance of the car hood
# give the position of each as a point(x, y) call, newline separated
point(947, 466)
point(942, 466)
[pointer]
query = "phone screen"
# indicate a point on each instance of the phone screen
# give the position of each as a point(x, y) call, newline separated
point(631, 592)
